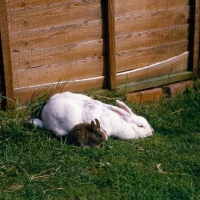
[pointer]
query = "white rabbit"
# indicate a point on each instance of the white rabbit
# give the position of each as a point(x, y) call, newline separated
point(65, 110)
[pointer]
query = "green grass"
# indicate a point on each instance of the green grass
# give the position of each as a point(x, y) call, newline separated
point(36, 165)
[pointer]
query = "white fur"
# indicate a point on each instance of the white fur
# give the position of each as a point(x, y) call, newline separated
point(65, 110)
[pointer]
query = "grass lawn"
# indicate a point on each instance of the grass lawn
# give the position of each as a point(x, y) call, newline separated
point(36, 165)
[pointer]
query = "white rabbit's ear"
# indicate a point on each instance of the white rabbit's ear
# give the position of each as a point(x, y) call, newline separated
point(123, 106)
point(122, 113)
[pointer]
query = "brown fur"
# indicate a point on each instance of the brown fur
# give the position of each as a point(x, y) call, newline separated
point(85, 134)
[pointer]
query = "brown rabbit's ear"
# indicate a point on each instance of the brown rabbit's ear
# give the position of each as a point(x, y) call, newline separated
point(97, 123)
point(93, 125)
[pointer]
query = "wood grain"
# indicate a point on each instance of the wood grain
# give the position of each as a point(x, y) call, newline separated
point(68, 71)
point(145, 21)
point(55, 37)
point(170, 66)
point(111, 49)
point(47, 57)
point(157, 37)
point(24, 94)
point(53, 15)
point(195, 51)
point(135, 59)
point(1, 14)
point(124, 7)
point(19, 4)
point(6, 55)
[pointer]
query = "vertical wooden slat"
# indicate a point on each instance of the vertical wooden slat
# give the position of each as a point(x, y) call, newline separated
point(6, 54)
point(111, 49)
point(194, 37)
point(0, 14)
point(2, 82)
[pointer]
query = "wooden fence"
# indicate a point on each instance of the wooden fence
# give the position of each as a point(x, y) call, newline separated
point(95, 44)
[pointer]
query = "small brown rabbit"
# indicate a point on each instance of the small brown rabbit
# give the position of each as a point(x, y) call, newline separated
point(85, 134)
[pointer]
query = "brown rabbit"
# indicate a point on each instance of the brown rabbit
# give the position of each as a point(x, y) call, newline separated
point(85, 134)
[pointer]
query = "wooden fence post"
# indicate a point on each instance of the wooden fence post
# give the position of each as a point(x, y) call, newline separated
point(111, 49)
point(194, 37)
point(6, 53)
